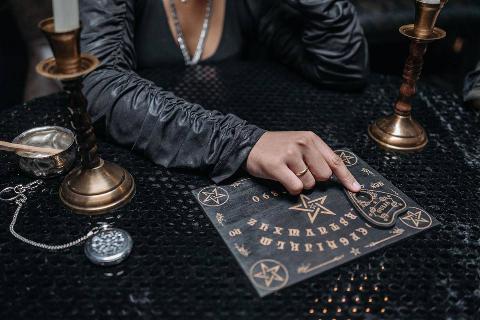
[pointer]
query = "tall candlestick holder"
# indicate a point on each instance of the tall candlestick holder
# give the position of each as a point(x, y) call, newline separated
point(96, 186)
point(400, 131)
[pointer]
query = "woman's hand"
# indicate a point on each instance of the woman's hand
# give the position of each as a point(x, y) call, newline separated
point(282, 156)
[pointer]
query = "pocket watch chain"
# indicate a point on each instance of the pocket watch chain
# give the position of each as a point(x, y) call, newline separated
point(20, 199)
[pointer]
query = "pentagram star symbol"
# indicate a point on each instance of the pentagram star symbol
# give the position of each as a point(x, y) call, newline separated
point(415, 217)
point(346, 158)
point(312, 207)
point(355, 251)
point(269, 274)
point(214, 196)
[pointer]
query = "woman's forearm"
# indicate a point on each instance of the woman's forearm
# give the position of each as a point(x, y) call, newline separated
point(167, 129)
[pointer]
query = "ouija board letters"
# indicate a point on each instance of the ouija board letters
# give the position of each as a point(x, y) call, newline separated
point(280, 240)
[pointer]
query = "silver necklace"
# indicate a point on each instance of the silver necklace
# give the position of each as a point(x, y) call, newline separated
point(106, 245)
point(201, 40)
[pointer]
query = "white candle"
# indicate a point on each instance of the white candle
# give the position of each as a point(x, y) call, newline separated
point(65, 15)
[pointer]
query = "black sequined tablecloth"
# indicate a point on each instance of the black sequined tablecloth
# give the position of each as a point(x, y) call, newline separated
point(180, 267)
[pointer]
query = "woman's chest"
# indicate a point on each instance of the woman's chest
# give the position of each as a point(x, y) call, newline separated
point(156, 40)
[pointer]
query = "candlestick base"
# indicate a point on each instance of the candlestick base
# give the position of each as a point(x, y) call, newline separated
point(408, 31)
point(49, 69)
point(399, 133)
point(98, 190)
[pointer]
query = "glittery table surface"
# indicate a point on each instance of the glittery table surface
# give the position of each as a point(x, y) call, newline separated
point(181, 268)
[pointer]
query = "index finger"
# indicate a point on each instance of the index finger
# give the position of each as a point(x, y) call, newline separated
point(338, 167)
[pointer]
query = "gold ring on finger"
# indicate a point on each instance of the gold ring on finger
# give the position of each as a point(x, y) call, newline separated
point(301, 173)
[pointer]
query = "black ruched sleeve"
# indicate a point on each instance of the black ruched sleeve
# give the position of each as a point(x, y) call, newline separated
point(321, 39)
point(169, 130)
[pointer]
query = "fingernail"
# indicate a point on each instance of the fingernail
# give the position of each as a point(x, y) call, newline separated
point(356, 185)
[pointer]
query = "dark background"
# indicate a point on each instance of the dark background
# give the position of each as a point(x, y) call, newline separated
point(433, 275)
point(447, 61)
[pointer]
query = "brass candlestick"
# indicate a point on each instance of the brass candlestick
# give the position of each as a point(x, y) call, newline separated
point(400, 131)
point(96, 186)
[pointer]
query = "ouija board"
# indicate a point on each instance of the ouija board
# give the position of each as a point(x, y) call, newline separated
point(279, 240)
